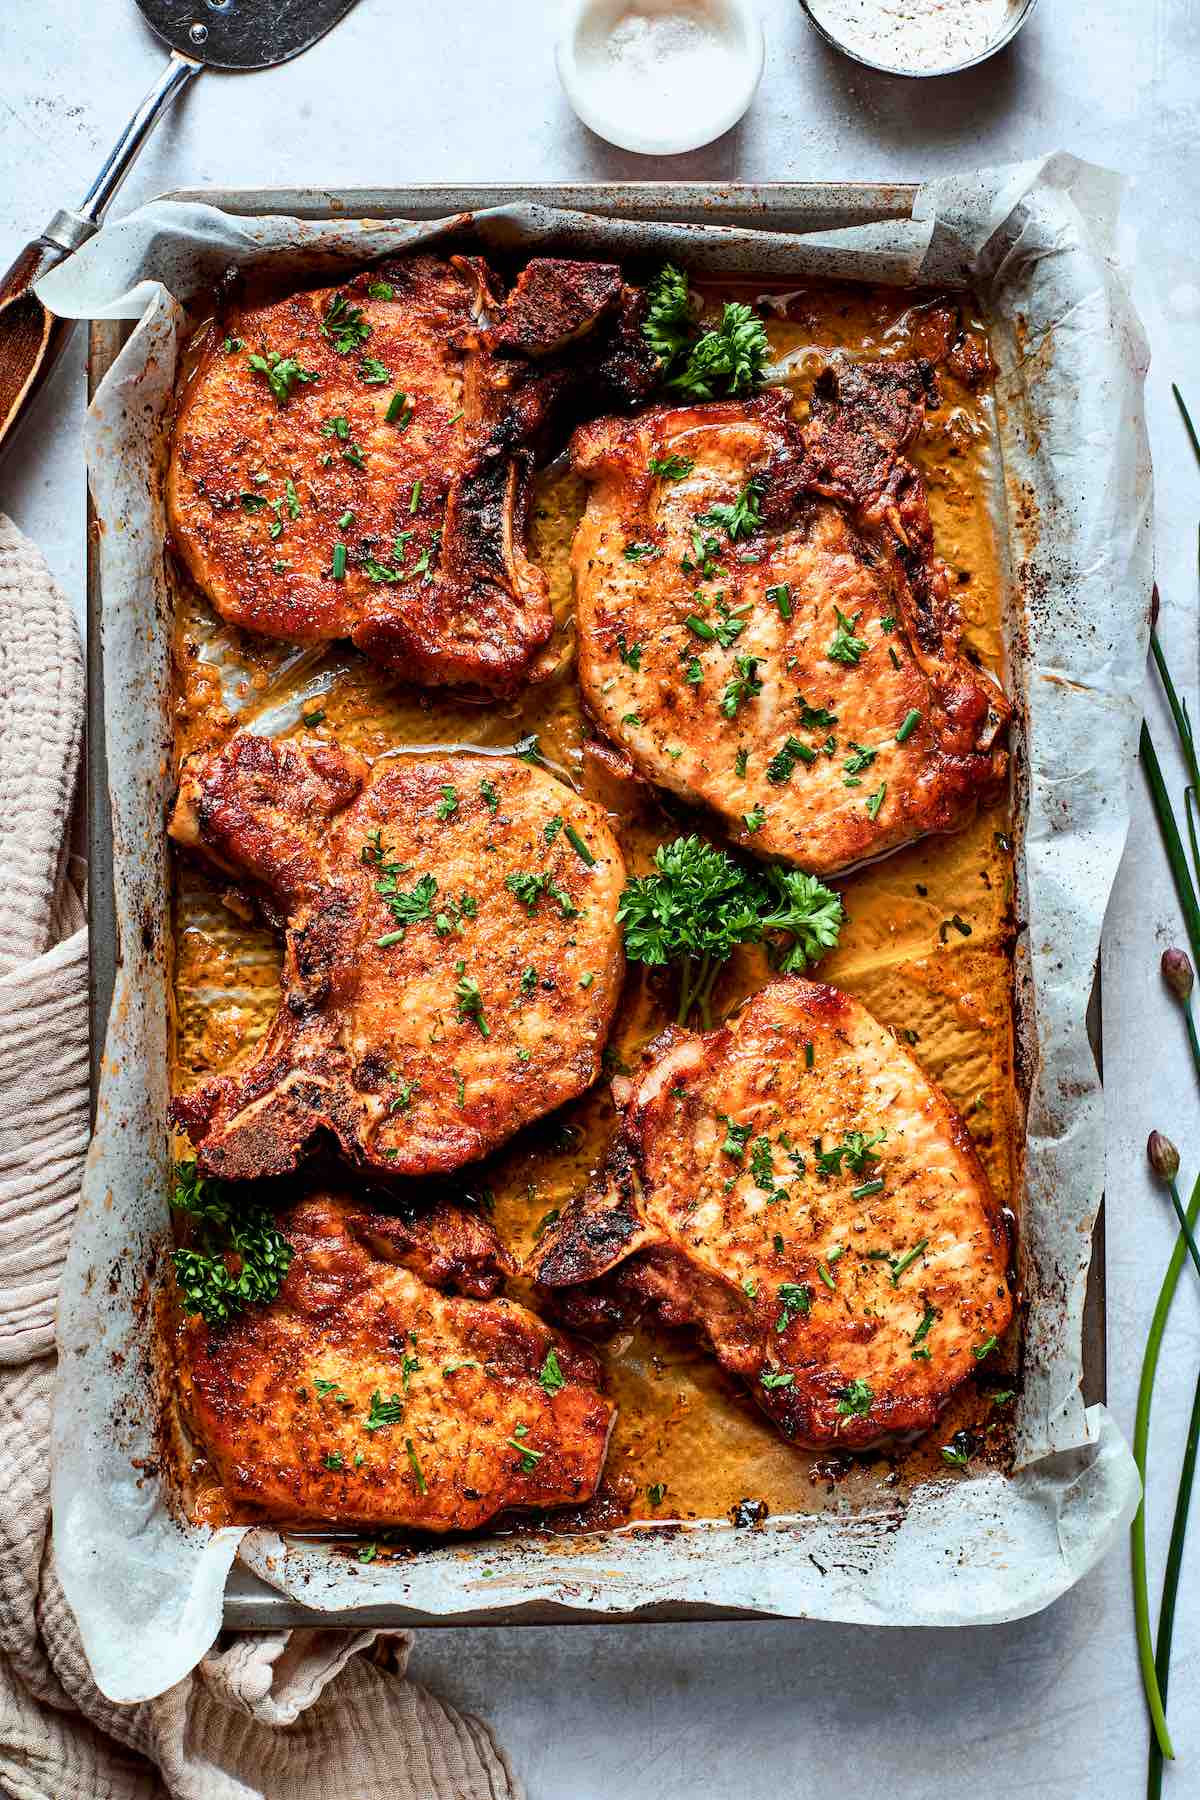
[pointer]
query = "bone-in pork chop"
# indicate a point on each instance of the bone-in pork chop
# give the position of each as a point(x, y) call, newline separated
point(389, 1385)
point(451, 952)
point(354, 462)
point(764, 625)
point(794, 1186)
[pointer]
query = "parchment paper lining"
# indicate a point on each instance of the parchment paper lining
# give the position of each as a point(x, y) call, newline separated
point(1034, 242)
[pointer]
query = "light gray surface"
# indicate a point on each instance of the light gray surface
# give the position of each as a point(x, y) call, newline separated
point(1048, 1707)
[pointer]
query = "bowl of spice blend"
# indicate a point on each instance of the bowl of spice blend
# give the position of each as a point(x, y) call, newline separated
point(918, 37)
point(660, 76)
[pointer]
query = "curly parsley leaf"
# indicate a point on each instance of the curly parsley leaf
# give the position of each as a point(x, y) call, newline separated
point(239, 1259)
point(668, 325)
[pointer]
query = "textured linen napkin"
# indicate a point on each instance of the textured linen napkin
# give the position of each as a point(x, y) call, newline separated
point(300, 1715)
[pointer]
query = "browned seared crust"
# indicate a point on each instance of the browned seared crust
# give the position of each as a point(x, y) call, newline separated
point(364, 1309)
point(437, 583)
point(554, 303)
point(372, 1041)
point(845, 527)
point(708, 1237)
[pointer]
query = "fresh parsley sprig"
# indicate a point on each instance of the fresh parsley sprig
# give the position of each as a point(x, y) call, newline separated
point(239, 1258)
point(698, 905)
point(728, 358)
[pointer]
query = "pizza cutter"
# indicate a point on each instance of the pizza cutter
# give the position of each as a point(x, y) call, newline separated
point(216, 34)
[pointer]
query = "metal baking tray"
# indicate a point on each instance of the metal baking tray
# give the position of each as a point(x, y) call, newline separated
point(773, 206)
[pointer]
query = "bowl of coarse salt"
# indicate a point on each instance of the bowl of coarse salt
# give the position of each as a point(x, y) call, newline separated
point(918, 37)
point(660, 76)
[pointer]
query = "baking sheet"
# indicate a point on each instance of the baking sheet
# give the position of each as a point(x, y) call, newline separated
point(1035, 242)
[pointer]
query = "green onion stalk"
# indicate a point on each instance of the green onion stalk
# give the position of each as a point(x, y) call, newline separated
point(1151, 1681)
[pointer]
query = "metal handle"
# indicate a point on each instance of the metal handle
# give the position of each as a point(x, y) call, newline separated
point(31, 338)
point(175, 76)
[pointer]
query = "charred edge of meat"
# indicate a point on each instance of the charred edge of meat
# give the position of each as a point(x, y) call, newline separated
point(555, 302)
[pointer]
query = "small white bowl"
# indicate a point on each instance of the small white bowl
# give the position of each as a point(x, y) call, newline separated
point(586, 24)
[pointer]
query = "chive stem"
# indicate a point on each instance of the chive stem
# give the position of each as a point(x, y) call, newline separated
point(1141, 1435)
point(1172, 842)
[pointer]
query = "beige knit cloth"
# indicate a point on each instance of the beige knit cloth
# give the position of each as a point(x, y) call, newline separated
point(302, 1715)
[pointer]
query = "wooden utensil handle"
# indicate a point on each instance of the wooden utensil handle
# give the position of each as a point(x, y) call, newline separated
point(31, 339)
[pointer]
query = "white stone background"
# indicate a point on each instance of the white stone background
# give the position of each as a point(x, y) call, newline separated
point(1048, 1707)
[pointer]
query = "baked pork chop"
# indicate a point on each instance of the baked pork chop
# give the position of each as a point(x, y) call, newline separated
point(452, 957)
point(793, 1185)
point(764, 625)
point(354, 462)
point(388, 1384)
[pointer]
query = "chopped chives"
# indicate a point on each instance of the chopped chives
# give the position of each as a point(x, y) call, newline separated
point(867, 1187)
point(396, 406)
point(911, 721)
point(455, 417)
point(389, 937)
point(781, 594)
point(415, 1465)
point(808, 1054)
point(338, 569)
point(903, 1262)
point(579, 847)
point(346, 521)
point(416, 497)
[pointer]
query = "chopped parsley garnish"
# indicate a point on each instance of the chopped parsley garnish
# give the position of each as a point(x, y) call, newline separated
point(381, 572)
point(762, 1164)
point(447, 806)
point(736, 1137)
point(855, 1402)
point(1003, 1395)
point(317, 717)
point(551, 1376)
point(741, 516)
point(383, 1412)
point(373, 372)
point(744, 685)
point(875, 800)
point(414, 1465)
point(529, 888)
point(781, 596)
point(703, 560)
point(671, 468)
point(333, 1459)
point(740, 761)
point(641, 552)
point(816, 717)
point(777, 1378)
point(344, 325)
point(630, 654)
point(282, 373)
point(225, 1224)
point(530, 1458)
point(693, 672)
point(368, 1552)
point(656, 1492)
point(579, 847)
point(399, 412)
point(928, 1319)
point(727, 627)
point(405, 1089)
point(490, 797)
point(856, 1150)
point(551, 830)
point(796, 1300)
point(887, 623)
point(470, 1000)
point(843, 646)
point(783, 763)
point(860, 758)
point(954, 923)
point(979, 1351)
point(958, 1451)
point(907, 726)
point(381, 290)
